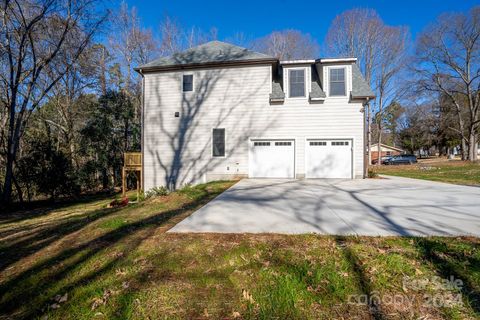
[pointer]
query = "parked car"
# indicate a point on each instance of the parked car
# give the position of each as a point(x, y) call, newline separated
point(383, 159)
point(402, 159)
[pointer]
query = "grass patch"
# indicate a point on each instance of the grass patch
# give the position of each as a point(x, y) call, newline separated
point(86, 261)
point(113, 223)
point(457, 172)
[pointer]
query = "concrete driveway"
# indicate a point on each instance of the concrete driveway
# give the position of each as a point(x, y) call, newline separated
point(390, 206)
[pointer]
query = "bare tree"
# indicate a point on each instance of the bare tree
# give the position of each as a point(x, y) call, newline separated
point(240, 39)
point(287, 45)
point(391, 55)
point(448, 63)
point(64, 97)
point(134, 44)
point(100, 58)
point(356, 33)
point(380, 50)
point(35, 35)
point(171, 36)
point(175, 38)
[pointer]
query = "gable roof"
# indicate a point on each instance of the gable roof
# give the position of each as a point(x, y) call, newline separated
point(385, 146)
point(213, 52)
point(360, 88)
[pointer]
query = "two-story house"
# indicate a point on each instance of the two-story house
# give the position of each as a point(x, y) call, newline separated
point(219, 111)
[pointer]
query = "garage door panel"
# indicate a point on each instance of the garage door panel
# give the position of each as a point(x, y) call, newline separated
point(328, 159)
point(272, 159)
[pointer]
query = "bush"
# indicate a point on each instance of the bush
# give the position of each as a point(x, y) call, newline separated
point(119, 203)
point(49, 170)
point(156, 192)
point(372, 173)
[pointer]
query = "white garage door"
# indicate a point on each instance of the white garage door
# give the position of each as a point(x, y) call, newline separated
point(272, 159)
point(328, 159)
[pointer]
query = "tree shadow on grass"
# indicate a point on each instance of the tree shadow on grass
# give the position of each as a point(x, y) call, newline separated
point(450, 263)
point(24, 211)
point(364, 283)
point(36, 240)
point(25, 288)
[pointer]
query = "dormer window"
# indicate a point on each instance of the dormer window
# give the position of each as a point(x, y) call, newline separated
point(187, 82)
point(296, 87)
point(337, 82)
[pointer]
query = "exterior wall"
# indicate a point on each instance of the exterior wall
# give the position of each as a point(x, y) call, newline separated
point(384, 154)
point(177, 150)
point(386, 151)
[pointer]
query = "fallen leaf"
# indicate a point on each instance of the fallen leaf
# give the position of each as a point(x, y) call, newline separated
point(247, 296)
point(96, 303)
point(236, 314)
point(120, 272)
point(63, 298)
point(55, 306)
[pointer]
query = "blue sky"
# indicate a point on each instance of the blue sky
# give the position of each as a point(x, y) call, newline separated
point(258, 18)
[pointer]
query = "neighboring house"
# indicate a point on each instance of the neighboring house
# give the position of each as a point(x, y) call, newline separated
point(219, 111)
point(457, 150)
point(386, 151)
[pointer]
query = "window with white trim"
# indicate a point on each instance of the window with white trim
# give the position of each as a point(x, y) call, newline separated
point(296, 86)
point(218, 142)
point(337, 82)
point(339, 143)
point(187, 83)
point(261, 143)
point(283, 143)
point(318, 143)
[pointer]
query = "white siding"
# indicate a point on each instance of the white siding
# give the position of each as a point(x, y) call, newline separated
point(237, 99)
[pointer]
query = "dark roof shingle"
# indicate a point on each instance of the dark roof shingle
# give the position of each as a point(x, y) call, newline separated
point(210, 52)
point(360, 87)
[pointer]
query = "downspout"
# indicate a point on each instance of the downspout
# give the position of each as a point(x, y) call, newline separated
point(142, 134)
point(366, 153)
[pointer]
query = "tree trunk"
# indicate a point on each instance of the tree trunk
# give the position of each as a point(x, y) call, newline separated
point(379, 148)
point(475, 147)
point(19, 190)
point(472, 151)
point(380, 115)
point(369, 134)
point(104, 178)
point(461, 126)
point(464, 150)
point(103, 73)
point(7, 185)
point(11, 152)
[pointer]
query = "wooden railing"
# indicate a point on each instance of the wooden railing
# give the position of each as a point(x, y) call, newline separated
point(132, 159)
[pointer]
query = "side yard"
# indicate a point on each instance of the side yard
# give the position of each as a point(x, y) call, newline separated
point(87, 261)
point(454, 171)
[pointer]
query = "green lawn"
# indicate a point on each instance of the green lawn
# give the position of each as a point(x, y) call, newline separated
point(86, 261)
point(457, 172)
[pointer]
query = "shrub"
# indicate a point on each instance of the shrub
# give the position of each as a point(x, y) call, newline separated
point(372, 173)
point(156, 192)
point(119, 203)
